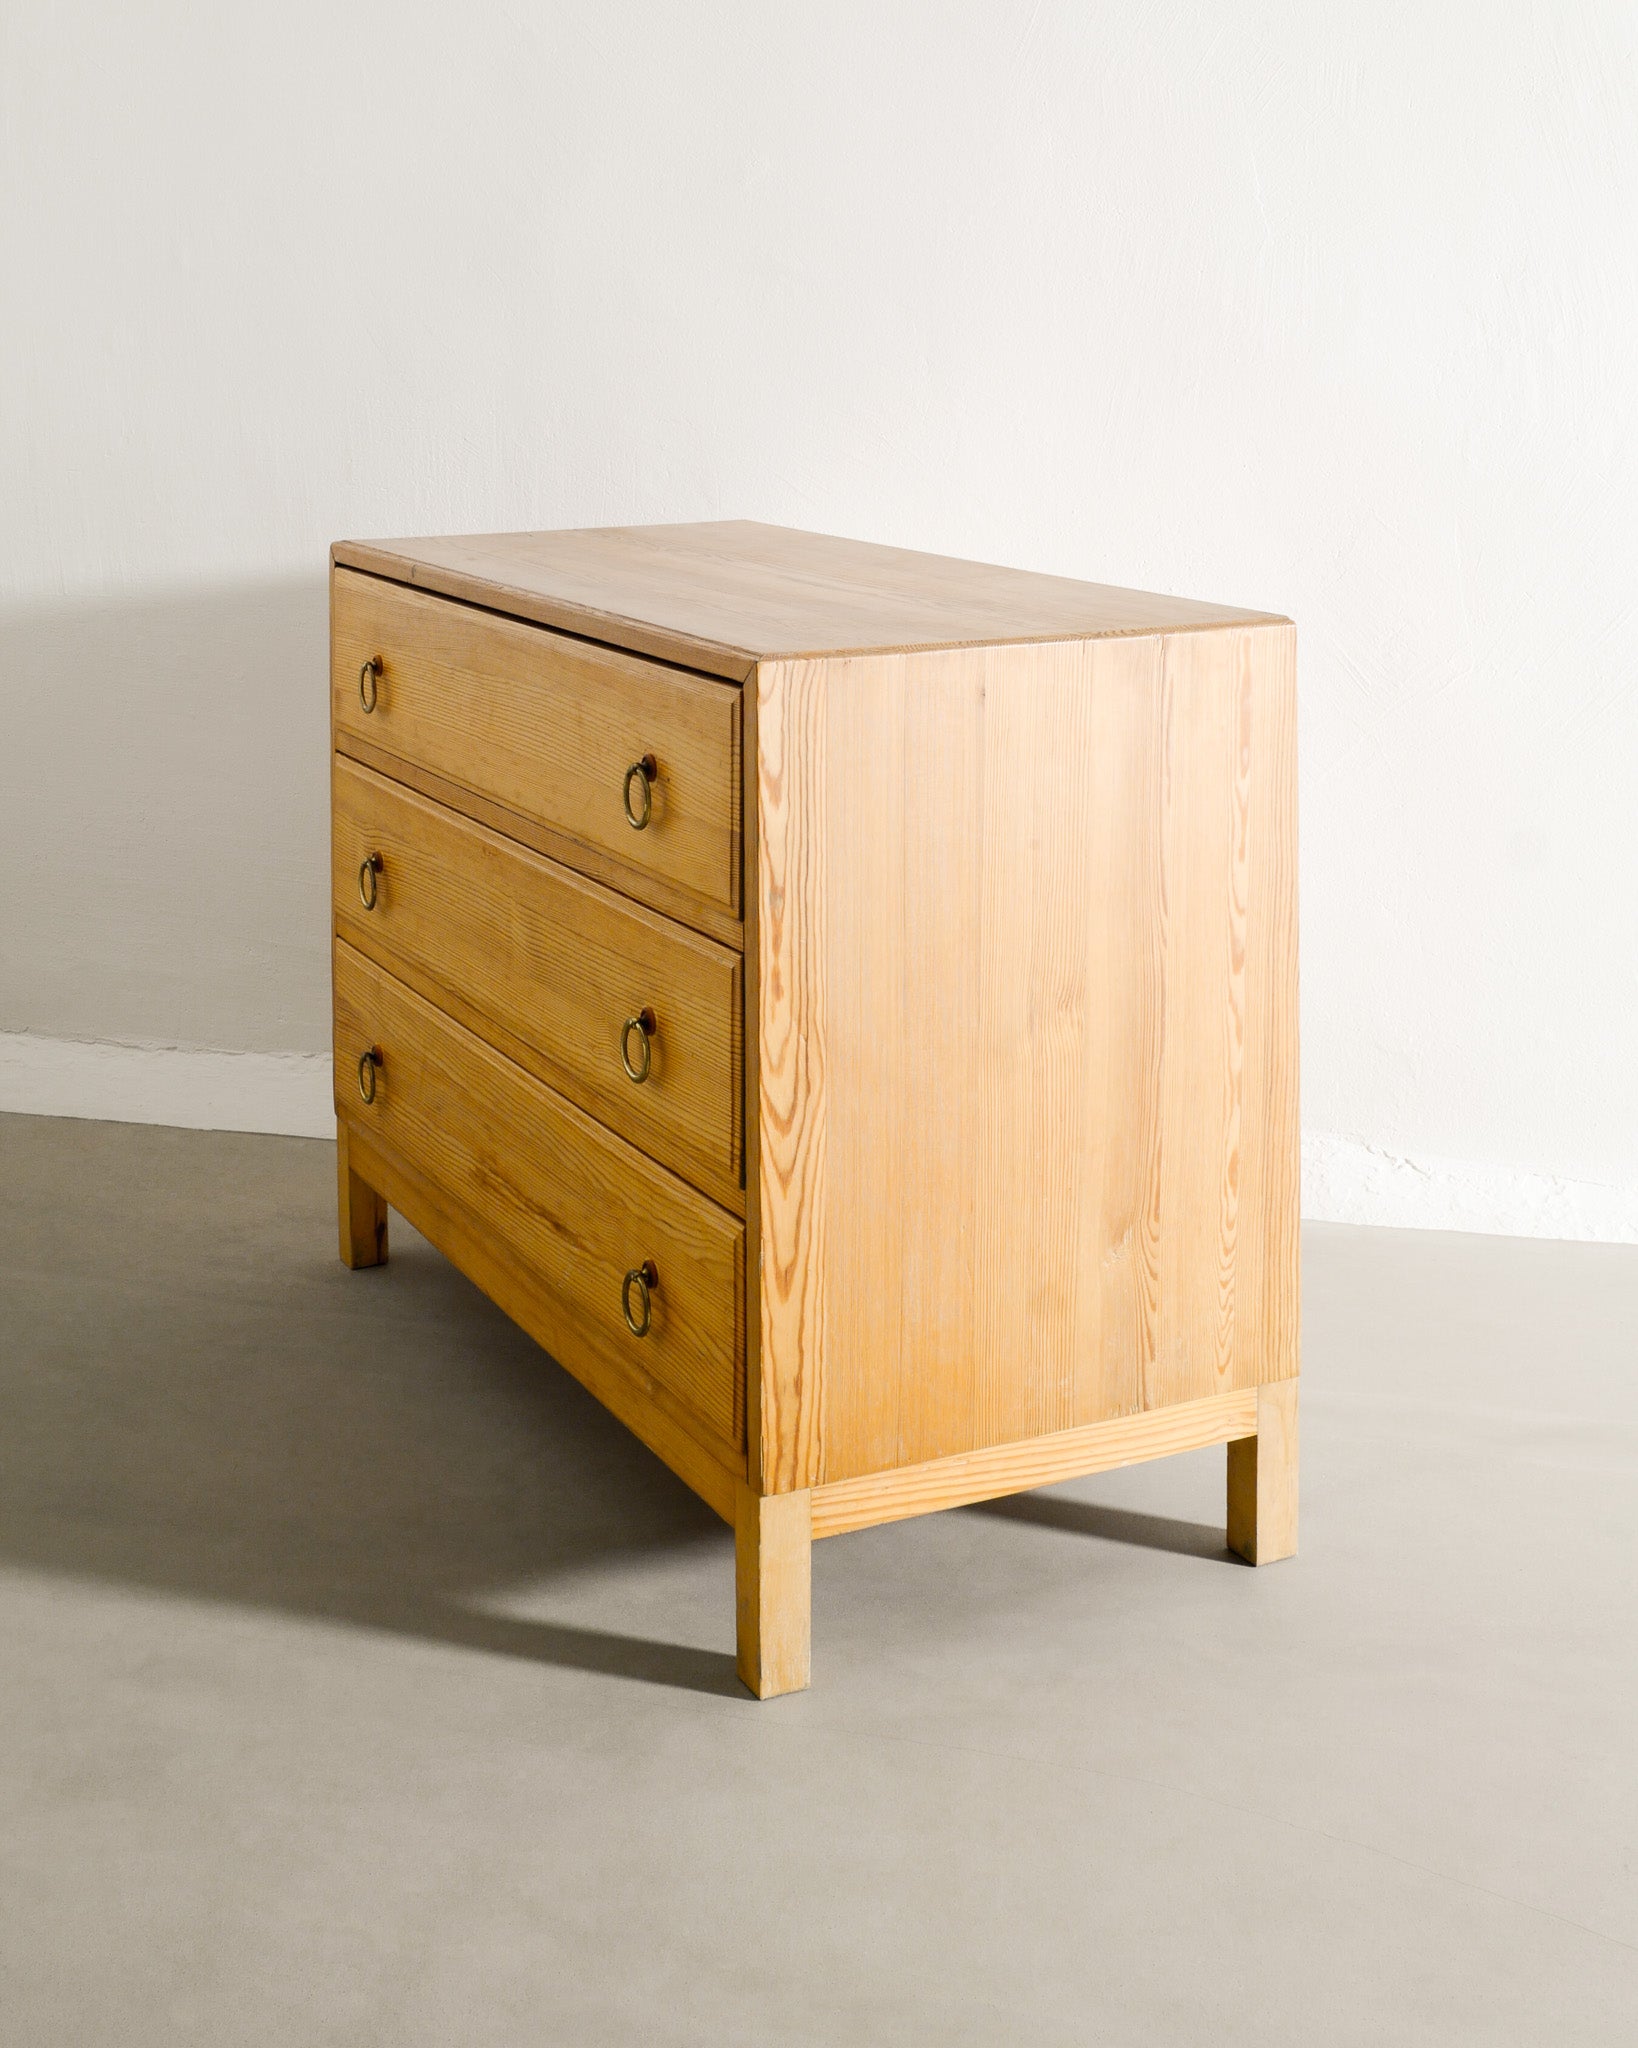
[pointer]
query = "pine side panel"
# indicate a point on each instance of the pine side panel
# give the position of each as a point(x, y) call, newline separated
point(869, 1016)
point(989, 1214)
point(1204, 983)
point(1055, 922)
point(1052, 981)
point(1268, 1264)
point(938, 1030)
point(749, 1088)
point(1121, 1236)
point(792, 1083)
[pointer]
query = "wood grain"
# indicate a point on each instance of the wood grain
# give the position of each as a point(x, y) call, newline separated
point(751, 1070)
point(361, 1210)
point(773, 1588)
point(574, 1205)
point(791, 895)
point(547, 726)
point(641, 1403)
point(970, 928)
point(1035, 1461)
point(677, 904)
point(1262, 1479)
point(721, 595)
point(1028, 1113)
point(547, 966)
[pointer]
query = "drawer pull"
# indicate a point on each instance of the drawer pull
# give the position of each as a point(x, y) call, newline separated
point(645, 1279)
point(369, 1065)
point(369, 868)
point(643, 1025)
point(642, 772)
point(368, 676)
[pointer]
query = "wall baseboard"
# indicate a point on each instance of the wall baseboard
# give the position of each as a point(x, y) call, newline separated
point(289, 1093)
point(1344, 1181)
point(285, 1093)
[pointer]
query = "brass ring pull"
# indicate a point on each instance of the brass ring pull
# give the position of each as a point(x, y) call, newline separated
point(368, 891)
point(369, 1065)
point(644, 1024)
point(368, 676)
point(645, 1280)
point(643, 772)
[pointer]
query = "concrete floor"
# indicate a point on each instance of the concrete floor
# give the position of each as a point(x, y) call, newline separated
point(362, 1682)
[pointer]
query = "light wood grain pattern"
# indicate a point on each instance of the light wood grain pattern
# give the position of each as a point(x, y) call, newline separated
point(1028, 1106)
point(548, 966)
point(751, 1069)
point(641, 1403)
point(575, 1205)
point(792, 1254)
point(773, 1586)
point(1262, 1479)
point(722, 595)
point(692, 911)
point(362, 1213)
point(547, 726)
point(1036, 1461)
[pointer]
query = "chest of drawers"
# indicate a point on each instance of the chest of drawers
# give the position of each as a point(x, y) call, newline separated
point(841, 1002)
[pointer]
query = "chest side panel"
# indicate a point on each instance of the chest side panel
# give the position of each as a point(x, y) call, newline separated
point(1028, 1041)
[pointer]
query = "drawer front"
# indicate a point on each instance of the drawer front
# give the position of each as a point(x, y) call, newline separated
point(501, 937)
point(549, 728)
point(575, 1205)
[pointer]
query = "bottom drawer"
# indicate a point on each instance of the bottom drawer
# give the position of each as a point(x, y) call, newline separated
point(580, 1208)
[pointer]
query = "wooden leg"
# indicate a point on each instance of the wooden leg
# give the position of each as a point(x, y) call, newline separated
point(773, 1581)
point(1262, 1480)
point(363, 1214)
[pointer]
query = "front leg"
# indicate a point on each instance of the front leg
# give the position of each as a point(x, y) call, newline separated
point(362, 1212)
point(773, 1583)
point(1262, 1480)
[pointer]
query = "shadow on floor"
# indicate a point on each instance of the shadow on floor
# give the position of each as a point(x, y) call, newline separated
point(196, 1397)
point(1113, 1525)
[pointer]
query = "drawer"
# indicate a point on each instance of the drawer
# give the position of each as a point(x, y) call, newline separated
point(578, 1207)
point(551, 729)
point(551, 967)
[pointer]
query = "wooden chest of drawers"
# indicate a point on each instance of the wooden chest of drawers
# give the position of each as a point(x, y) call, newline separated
point(841, 1002)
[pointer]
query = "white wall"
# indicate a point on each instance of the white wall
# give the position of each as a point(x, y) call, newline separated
point(1332, 310)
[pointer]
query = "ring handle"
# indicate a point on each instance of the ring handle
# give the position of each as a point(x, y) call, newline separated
point(644, 1024)
point(369, 1065)
point(645, 1279)
point(369, 868)
point(368, 676)
point(642, 772)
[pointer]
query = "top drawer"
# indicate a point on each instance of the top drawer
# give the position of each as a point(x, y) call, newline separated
point(552, 730)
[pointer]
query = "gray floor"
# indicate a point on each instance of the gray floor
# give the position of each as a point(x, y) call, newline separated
point(361, 1681)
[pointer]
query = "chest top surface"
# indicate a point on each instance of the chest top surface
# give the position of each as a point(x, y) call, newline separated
point(725, 594)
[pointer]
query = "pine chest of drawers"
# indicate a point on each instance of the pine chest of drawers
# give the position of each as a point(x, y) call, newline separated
point(841, 1002)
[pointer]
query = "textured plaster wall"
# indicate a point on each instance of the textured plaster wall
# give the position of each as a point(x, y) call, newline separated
point(1329, 310)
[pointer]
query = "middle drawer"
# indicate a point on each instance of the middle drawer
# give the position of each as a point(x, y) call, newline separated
point(636, 1019)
